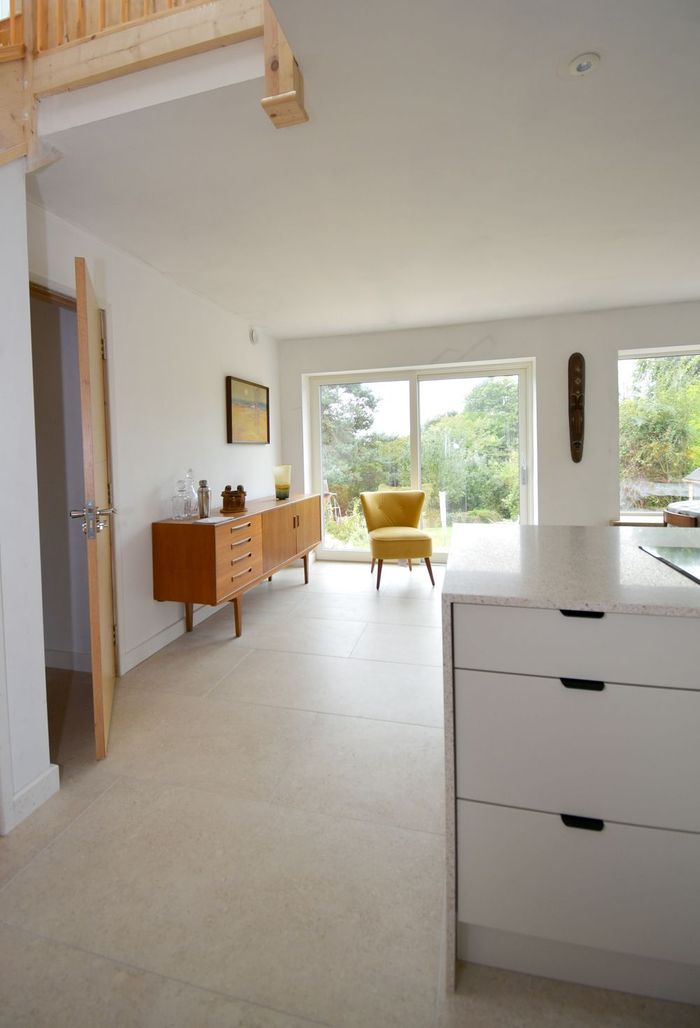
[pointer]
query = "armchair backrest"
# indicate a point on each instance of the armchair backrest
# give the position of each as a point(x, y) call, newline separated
point(392, 509)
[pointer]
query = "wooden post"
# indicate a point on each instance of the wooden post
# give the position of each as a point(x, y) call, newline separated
point(80, 19)
point(14, 25)
point(284, 82)
point(59, 28)
point(42, 25)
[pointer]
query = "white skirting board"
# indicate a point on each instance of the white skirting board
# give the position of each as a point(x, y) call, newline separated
point(132, 658)
point(624, 972)
point(33, 795)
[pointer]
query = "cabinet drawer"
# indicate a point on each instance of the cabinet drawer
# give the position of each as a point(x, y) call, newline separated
point(242, 570)
point(237, 534)
point(627, 889)
point(626, 753)
point(635, 648)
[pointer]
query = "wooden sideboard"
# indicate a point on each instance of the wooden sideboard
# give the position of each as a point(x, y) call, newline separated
point(211, 562)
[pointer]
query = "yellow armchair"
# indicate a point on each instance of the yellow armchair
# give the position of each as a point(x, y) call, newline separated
point(392, 522)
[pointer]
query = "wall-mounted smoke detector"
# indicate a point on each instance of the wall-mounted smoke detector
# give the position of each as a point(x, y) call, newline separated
point(584, 64)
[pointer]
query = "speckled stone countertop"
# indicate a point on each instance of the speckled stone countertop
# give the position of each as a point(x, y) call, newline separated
point(575, 568)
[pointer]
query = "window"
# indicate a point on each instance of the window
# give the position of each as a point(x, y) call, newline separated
point(659, 400)
point(461, 436)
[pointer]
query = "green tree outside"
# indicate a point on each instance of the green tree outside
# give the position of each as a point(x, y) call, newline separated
point(659, 431)
point(472, 455)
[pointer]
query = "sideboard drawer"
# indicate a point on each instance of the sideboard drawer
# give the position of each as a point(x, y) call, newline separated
point(642, 650)
point(235, 535)
point(627, 889)
point(626, 753)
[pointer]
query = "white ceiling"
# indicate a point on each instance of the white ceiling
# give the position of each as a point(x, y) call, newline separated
point(451, 171)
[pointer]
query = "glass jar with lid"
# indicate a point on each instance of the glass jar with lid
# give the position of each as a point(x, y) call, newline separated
point(180, 501)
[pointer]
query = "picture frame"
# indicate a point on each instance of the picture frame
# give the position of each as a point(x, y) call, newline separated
point(247, 411)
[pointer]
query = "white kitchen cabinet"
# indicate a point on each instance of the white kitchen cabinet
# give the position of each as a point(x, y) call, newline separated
point(573, 763)
point(625, 888)
point(617, 752)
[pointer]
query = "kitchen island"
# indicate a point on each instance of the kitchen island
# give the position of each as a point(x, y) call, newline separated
point(572, 721)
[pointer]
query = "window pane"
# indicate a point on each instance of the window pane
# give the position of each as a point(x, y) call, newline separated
point(469, 452)
point(365, 428)
point(659, 431)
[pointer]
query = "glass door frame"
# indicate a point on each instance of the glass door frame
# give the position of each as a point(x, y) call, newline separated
point(524, 369)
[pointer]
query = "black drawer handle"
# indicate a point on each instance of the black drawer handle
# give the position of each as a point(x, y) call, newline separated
point(590, 824)
point(583, 613)
point(582, 683)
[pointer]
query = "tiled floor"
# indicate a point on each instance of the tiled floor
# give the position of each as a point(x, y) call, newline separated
point(263, 848)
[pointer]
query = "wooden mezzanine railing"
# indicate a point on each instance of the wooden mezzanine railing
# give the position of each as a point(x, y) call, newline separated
point(12, 33)
point(75, 43)
point(68, 21)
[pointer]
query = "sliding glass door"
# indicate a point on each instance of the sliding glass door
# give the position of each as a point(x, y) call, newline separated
point(462, 437)
point(365, 445)
point(469, 452)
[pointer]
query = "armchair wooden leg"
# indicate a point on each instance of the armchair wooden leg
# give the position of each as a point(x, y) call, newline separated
point(371, 570)
point(430, 570)
point(379, 572)
point(410, 565)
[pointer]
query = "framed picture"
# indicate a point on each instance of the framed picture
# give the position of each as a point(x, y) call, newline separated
point(247, 411)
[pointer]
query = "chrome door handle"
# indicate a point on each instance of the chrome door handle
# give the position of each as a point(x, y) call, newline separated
point(77, 513)
point(107, 510)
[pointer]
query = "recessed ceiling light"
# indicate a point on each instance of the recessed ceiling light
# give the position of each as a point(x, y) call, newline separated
point(584, 64)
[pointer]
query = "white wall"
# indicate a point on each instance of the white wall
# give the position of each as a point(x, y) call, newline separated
point(60, 473)
point(26, 776)
point(568, 493)
point(168, 354)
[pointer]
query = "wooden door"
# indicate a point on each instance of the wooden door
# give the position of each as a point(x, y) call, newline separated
point(93, 407)
point(308, 523)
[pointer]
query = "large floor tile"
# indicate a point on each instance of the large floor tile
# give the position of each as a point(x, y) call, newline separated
point(303, 635)
point(46, 984)
point(190, 666)
point(373, 606)
point(403, 644)
point(491, 998)
point(80, 786)
point(335, 685)
point(321, 917)
point(374, 770)
point(237, 749)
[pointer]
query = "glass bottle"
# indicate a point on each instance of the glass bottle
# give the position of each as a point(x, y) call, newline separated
point(179, 501)
point(191, 503)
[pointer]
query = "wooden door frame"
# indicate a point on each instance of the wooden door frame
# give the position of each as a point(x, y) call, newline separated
point(58, 299)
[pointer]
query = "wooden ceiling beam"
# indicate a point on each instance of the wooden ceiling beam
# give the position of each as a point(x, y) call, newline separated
point(284, 83)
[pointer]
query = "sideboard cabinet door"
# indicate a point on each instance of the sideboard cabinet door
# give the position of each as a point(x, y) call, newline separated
point(279, 536)
point(308, 523)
